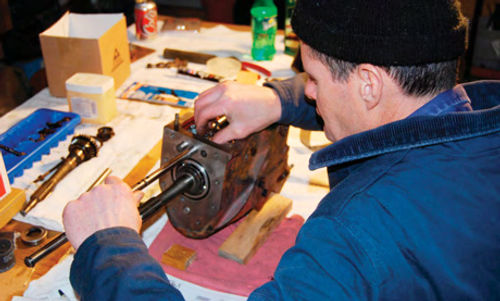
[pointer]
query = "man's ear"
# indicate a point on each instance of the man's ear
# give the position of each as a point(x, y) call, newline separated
point(371, 83)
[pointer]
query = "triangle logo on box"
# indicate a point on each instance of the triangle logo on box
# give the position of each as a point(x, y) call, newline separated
point(117, 59)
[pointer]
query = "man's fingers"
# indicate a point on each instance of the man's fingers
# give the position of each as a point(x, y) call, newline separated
point(138, 195)
point(227, 134)
point(205, 115)
point(112, 180)
point(204, 102)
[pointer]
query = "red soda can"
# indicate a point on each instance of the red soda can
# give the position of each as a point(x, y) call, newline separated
point(146, 17)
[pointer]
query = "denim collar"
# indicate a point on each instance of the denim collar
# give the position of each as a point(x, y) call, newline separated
point(407, 134)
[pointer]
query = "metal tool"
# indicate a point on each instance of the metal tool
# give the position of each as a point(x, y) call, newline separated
point(61, 239)
point(50, 128)
point(194, 57)
point(12, 151)
point(146, 209)
point(81, 149)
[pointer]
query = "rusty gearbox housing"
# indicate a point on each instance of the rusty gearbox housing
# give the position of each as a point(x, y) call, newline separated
point(232, 178)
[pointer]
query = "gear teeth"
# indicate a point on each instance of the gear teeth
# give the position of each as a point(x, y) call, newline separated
point(88, 144)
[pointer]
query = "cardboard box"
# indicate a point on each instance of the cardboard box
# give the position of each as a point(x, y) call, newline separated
point(91, 43)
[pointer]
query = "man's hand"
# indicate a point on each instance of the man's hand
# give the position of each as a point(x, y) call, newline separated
point(112, 204)
point(248, 108)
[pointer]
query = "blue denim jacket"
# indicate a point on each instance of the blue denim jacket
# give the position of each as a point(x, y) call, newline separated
point(413, 214)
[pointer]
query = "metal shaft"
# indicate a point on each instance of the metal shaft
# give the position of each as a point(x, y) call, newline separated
point(146, 209)
point(181, 185)
point(50, 247)
point(61, 239)
point(46, 188)
point(186, 153)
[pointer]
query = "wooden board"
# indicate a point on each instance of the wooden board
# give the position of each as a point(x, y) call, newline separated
point(251, 233)
point(16, 280)
point(142, 168)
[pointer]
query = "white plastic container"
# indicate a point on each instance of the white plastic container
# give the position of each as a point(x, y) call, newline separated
point(92, 96)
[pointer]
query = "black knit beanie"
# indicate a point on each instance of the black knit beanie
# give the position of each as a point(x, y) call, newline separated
point(382, 32)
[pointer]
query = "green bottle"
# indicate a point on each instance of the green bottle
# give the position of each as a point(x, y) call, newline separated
point(264, 26)
point(291, 39)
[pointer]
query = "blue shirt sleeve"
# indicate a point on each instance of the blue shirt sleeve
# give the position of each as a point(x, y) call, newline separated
point(114, 264)
point(295, 109)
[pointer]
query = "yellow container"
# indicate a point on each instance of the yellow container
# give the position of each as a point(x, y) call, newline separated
point(92, 96)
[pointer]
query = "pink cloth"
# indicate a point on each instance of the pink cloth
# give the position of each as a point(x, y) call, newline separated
point(214, 272)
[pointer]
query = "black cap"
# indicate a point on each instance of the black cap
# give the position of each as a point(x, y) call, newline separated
point(385, 33)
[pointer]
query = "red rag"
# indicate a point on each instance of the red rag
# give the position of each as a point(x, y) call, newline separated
point(214, 272)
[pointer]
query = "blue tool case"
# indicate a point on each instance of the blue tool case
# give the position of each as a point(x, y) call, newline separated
point(33, 137)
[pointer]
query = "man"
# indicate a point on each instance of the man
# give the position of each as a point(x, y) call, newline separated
point(414, 207)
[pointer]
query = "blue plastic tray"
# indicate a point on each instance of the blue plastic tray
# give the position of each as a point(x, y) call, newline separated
point(23, 135)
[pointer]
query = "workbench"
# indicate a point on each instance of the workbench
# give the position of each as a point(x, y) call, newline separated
point(138, 128)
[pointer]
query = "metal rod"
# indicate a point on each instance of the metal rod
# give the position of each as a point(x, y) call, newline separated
point(61, 239)
point(149, 207)
point(146, 209)
point(162, 170)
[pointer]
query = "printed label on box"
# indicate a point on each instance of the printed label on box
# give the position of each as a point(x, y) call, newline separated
point(86, 107)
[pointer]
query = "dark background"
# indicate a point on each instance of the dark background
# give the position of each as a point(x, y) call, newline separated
point(21, 66)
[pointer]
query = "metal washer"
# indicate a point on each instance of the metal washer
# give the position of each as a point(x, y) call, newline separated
point(34, 236)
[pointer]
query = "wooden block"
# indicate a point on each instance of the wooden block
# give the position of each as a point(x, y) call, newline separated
point(251, 233)
point(11, 204)
point(178, 256)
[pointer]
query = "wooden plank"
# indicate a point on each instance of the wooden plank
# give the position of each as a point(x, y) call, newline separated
point(16, 280)
point(144, 165)
point(251, 233)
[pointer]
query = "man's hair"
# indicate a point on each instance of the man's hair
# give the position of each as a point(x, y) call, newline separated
point(420, 80)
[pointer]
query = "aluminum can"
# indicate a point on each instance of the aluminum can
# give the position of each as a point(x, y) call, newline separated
point(146, 20)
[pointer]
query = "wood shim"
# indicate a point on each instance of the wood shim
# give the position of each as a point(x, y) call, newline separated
point(178, 256)
point(252, 232)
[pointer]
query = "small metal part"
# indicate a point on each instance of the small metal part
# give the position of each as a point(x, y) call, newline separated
point(105, 133)
point(182, 146)
point(192, 129)
point(215, 125)
point(42, 176)
point(50, 128)
point(81, 149)
point(34, 236)
point(58, 124)
point(12, 151)
point(200, 74)
point(176, 122)
point(7, 247)
point(100, 179)
point(201, 186)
